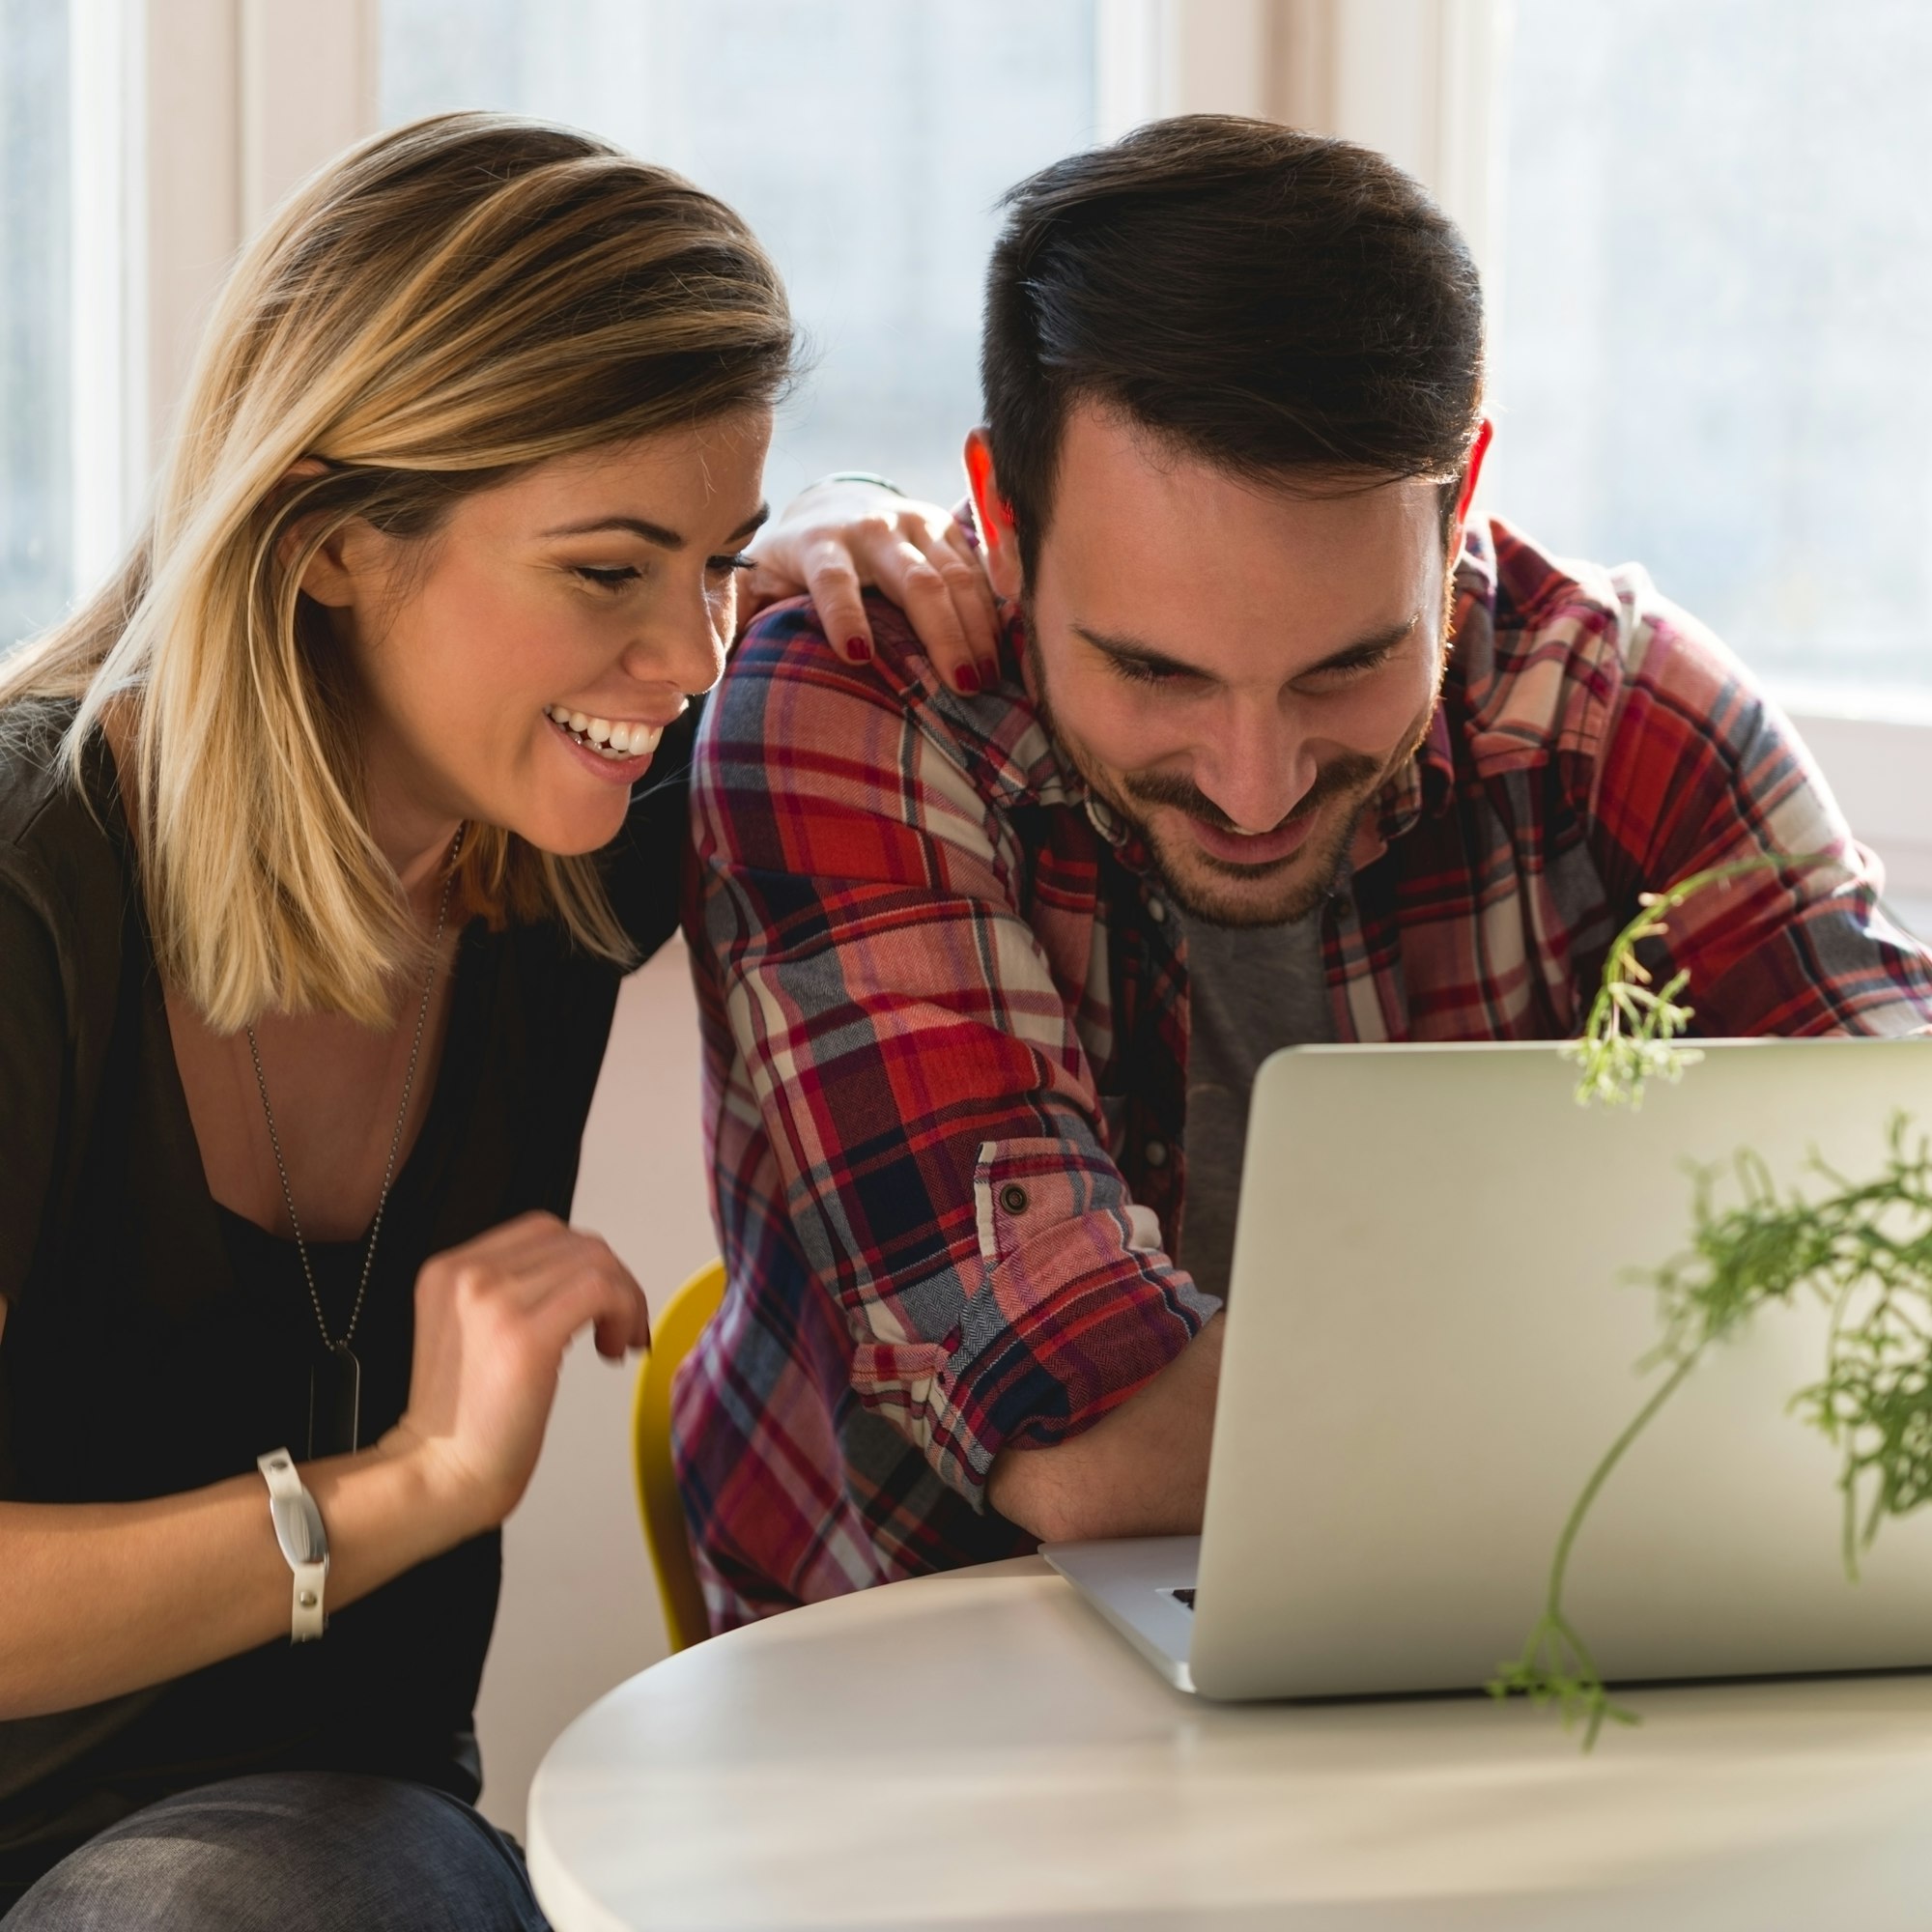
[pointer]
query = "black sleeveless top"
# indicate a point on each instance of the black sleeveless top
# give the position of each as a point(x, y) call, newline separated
point(155, 1342)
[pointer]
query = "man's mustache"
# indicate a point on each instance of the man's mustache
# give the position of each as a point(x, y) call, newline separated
point(1349, 773)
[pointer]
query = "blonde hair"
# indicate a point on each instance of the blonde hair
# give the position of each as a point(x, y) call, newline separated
point(439, 307)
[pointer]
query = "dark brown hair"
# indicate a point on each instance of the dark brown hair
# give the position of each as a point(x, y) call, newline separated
point(1270, 300)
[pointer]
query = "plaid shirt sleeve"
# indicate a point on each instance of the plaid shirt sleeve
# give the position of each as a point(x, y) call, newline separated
point(1692, 767)
point(914, 1063)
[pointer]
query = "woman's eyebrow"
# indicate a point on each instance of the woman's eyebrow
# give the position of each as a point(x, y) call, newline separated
point(656, 533)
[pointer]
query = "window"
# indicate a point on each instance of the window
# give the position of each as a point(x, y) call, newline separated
point(866, 143)
point(36, 479)
point(1716, 278)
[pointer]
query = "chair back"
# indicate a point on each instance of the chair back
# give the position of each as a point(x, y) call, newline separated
point(673, 1332)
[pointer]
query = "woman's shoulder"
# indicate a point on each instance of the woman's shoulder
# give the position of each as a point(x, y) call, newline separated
point(59, 843)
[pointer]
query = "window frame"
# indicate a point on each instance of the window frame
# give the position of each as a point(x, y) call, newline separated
point(1427, 83)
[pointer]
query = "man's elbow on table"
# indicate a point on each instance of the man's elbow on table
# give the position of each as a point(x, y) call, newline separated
point(1140, 1471)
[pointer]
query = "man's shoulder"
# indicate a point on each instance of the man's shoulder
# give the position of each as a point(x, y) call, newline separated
point(1560, 649)
point(788, 694)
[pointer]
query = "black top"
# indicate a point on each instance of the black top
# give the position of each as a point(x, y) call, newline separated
point(155, 1342)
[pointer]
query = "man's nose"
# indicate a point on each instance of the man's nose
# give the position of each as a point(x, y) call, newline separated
point(1258, 767)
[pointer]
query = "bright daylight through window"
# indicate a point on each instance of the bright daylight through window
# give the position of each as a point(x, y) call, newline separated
point(1713, 322)
point(866, 144)
point(35, 455)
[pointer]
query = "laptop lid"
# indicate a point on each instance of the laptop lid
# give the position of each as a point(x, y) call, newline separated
point(1431, 1344)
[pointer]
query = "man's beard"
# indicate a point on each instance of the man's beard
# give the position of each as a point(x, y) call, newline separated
point(1307, 875)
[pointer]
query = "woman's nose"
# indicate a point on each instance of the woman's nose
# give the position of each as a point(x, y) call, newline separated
point(685, 646)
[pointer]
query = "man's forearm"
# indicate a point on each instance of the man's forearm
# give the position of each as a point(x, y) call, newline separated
point(1140, 1471)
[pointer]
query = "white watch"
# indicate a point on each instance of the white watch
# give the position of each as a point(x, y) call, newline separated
point(304, 1542)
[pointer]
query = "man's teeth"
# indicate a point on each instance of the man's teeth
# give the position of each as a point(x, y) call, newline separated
point(600, 735)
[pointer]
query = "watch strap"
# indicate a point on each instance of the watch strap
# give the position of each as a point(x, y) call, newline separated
point(304, 1541)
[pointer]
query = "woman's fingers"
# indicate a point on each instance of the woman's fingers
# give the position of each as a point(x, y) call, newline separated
point(493, 1319)
point(532, 1276)
point(917, 584)
point(837, 595)
point(526, 1262)
point(836, 539)
point(945, 592)
point(592, 1297)
point(973, 591)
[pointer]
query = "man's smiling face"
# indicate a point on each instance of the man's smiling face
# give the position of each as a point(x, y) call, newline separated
point(1236, 668)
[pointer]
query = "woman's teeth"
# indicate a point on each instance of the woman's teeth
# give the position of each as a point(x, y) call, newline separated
point(600, 735)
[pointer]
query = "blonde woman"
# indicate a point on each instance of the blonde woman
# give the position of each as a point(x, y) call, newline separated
point(325, 832)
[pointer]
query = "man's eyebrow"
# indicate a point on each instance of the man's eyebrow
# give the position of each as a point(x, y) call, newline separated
point(657, 533)
point(1373, 644)
point(1133, 650)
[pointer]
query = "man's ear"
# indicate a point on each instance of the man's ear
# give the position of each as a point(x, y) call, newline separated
point(1472, 476)
point(999, 541)
point(326, 576)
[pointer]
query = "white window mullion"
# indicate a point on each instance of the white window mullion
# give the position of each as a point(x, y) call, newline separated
point(188, 216)
point(107, 397)
point(241, 100)
point(308, 78)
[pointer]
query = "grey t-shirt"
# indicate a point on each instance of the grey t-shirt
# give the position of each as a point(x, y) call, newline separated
point(1250, 990)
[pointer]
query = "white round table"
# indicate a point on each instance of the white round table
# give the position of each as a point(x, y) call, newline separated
point(980, 1751)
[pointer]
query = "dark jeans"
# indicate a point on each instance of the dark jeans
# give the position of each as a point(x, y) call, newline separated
point(301, 1851)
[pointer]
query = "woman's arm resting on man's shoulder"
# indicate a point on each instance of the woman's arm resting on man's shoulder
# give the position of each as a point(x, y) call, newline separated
point(835, 539)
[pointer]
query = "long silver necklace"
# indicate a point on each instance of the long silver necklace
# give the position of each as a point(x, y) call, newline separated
point(336, 1379)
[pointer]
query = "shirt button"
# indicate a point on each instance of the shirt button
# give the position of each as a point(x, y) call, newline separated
point(1014, 1198)
point(1157, 911)
point(1156, 1154)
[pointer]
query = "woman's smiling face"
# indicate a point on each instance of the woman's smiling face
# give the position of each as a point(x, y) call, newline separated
point(517, 668)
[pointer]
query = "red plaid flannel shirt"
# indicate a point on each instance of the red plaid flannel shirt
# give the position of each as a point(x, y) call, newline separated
point(946, 1024)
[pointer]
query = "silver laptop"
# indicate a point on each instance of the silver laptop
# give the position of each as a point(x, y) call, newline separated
point(1430, 1344)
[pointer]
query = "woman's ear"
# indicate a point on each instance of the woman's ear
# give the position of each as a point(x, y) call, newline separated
point(999, 540)
point(326, 576)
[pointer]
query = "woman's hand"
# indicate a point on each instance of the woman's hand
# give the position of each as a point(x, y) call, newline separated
point(493, 1319)
point(835, 539)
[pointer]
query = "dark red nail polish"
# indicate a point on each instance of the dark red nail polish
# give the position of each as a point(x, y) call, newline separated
point(858, 650)
point(967, 679)
point(990, 674)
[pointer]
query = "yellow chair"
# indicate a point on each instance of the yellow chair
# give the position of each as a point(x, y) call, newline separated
point(673, 1331)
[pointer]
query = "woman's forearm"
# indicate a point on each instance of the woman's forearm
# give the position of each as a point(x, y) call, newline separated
point(105, 1598)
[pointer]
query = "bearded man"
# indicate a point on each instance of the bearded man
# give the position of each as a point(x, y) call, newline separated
point(1284, 747)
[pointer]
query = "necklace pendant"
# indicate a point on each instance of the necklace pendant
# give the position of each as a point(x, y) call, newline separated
point(334, 1402)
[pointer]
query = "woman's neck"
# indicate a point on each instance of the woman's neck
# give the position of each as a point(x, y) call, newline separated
point(412, 833)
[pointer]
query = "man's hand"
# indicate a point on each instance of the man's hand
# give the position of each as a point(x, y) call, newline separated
point(1142, 1470)
point(834, 540)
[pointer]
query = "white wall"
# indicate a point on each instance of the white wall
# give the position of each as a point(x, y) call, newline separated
point(580, 1609)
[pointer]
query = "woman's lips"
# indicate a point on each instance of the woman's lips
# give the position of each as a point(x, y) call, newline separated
point(1265, 848)
point(619, 771)
point(622, 739)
